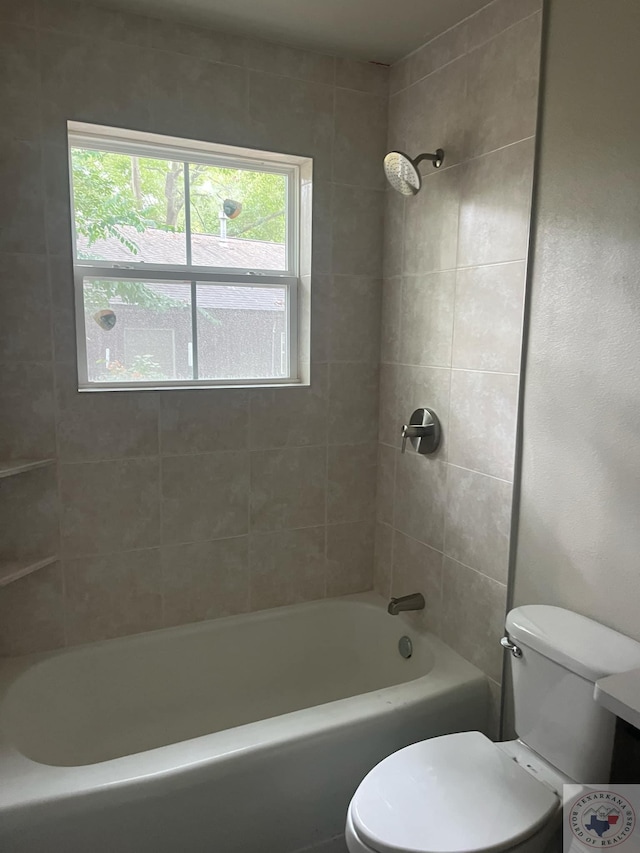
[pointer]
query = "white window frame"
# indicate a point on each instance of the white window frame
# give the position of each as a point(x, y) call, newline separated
point(164, 147)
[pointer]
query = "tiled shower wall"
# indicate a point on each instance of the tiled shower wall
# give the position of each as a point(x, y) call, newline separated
point(454, 269)
point(182, 505)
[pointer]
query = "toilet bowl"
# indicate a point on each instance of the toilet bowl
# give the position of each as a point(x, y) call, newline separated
point(462, 793)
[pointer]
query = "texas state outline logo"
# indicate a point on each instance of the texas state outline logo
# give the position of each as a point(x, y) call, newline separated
point(601, 819)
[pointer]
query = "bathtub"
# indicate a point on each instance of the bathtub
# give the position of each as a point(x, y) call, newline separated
point(241, 735)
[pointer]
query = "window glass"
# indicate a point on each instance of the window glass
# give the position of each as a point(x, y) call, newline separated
point(242, 331)
point(137, 331)
point(128, 209)
point(238, 218)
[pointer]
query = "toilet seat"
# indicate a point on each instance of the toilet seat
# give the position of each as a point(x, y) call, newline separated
point(454, 794)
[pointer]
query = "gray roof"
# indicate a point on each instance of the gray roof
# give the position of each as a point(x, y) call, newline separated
point(156, 246)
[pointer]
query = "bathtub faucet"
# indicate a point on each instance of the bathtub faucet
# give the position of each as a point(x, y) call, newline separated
point(415, 601)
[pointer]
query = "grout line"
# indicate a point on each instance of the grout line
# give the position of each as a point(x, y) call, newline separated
point(477, 571)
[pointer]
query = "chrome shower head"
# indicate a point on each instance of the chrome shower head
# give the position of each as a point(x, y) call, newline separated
point(402, 172)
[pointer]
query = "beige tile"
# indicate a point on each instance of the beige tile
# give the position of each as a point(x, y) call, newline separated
point(399, 75)
point(473, 611)
point(405, 388)
point(205, 496)
point(488, 317)
point(352, 482)
point(294, 117)
point(438, 52)
point(502, 92)
point(350, 549)
point(495, 206)
point(29, 509)
point(288, 488)
point(430, 115)
point(353, 403)
point(369, 77)
point(112, 596)
point(314, 332)
point(427, 319)
point(32, 613)
point(390, 322)
point(63, 308)
point(83, 19)
point(394, 234)
point(360, 138)
point(203, 421)
point(25, 332)
point(18, 12)
point(420, 499)
point(18, 84)
point(482, 424)
point(322, 232)
point(497, 16)
point(103, 426)
point(287, 567)
point(290, 417)
point(355, 318)
point(109, 506)
point(197, 42)
point(477, 522)
point(386, 481)
point(431, 224)
point(93, 80)
point(22, 210)
point(27, 425)
point(205, 100)
point(357, 230)
point(205, 580)
point(418, 568)
point(382, 560)
point(291, 62)
point(55, 162)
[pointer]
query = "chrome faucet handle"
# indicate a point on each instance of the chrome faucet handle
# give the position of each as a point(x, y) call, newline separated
point(415, 431)
point(423, 431)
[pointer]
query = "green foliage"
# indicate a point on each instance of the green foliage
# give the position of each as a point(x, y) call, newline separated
point(111, 190)
point(143, 367)
point(99, 293)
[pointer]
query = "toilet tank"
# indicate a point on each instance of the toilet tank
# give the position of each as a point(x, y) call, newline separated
point(563, 655)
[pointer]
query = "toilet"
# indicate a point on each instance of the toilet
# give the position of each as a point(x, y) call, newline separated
point(462, 793)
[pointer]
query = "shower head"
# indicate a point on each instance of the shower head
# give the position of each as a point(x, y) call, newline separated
point(402, 172)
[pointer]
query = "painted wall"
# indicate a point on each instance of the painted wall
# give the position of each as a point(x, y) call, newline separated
point(579, 537)
point(178, 506)
point(454, 268)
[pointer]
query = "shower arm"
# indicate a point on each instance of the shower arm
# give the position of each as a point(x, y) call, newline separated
point(436, 158)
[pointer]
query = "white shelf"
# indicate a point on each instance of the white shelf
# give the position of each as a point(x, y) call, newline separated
point(11, 467)
point(620, 694)
point(14, 570)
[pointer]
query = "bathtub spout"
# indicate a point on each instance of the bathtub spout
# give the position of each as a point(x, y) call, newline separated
point(415, 601)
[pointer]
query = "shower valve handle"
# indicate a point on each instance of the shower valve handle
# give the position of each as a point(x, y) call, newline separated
point(423, 431)
point(415, 431)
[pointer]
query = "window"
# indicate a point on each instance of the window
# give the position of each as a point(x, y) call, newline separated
point(186, 261)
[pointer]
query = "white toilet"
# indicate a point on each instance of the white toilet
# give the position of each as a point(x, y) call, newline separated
point(461, 792)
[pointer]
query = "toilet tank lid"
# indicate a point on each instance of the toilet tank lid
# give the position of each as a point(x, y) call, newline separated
point(579, 644)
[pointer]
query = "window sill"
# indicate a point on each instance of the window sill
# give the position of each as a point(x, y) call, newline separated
point(289, 383)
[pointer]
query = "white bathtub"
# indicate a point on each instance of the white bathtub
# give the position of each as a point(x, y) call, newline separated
point(240, 735)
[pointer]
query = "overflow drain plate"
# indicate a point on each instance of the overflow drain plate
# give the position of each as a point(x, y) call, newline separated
point(405, 647)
